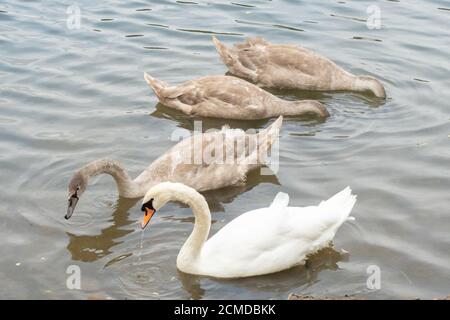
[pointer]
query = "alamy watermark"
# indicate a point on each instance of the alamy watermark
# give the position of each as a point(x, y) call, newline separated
point(374, 279)
point(73, 281)
point(374, 18)
point(73, 21)
point(229, 147)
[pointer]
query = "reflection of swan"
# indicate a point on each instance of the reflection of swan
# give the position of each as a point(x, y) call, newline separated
point(201, 161)
point(258, 242)
point(187, 122)
point(216, 198)
point(91, 248)
point(229, 98)
point(269, 286)
point(291, 67)
point(191, 283)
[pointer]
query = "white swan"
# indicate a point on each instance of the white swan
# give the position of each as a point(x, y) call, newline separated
point(257, 242)
point(201, 161)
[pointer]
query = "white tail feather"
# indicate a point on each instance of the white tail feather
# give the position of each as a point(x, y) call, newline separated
point(280, 202)
point(340, 204)
point(158, 86)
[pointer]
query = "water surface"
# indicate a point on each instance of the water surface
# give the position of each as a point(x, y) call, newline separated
point(71, 96)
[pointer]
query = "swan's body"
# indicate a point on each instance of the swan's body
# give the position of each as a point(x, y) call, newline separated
point(229, 98)
point(291, 67)
point(257, 242)
point(201, 161)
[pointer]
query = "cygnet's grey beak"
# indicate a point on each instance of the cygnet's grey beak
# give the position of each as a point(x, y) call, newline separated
point(72, 202)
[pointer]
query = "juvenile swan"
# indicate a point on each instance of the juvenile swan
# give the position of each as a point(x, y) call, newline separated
point(257, 242)
point(291, 67)
point(230, 98)
point(201, 161)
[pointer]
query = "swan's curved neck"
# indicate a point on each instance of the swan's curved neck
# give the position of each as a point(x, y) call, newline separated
point(126, 187)
point(368, 83)
point(284, 107)
point(193, 246)
point(295, 108)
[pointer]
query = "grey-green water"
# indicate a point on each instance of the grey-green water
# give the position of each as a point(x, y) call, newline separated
point(70, 96)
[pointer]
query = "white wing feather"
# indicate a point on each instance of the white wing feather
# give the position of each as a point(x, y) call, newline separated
point(259, 242)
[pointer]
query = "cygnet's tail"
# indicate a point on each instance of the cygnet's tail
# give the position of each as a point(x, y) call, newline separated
point(265, 143)
point(232, 61)
point(158, 86)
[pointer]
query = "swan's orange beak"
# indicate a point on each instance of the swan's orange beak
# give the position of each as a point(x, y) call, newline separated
point(147, 216)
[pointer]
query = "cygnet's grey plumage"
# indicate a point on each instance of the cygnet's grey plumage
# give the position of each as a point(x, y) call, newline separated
point(201, 161)
point(229, 97)
point(291, 67)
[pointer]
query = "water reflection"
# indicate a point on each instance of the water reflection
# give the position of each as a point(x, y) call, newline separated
point(187, 122)
point(330, 97)
point(211, 32)
point(288, 280)
point(242, 5)
point(280, 26)
point(83, 99)
point(217, 198)
point(192, 285)
point(88, 248)
point(366, 38)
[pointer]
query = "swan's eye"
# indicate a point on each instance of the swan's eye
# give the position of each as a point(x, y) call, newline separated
point(148, 204)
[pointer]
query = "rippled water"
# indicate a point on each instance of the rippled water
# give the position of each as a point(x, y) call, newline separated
point(70, 96)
